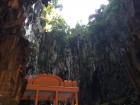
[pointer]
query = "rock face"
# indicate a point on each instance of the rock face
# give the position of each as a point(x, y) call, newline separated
point(100, 76)
point(99, 63)
point(134, 43)
point(14, 49)
point(11, 58)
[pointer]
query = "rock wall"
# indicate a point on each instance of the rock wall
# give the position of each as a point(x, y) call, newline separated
point(100, 63)
point(101, 77)
point(14, 49)
point(134, 50)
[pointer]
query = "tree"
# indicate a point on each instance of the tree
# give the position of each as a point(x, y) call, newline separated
point(50, 18)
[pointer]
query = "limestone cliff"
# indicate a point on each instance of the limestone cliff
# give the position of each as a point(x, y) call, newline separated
point(14, 49)
point(134, 43)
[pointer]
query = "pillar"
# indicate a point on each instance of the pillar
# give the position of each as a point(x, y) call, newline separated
point(36, 97)
point(76, 98)
point(72, 100)
point(56, 98)
point(54, 101)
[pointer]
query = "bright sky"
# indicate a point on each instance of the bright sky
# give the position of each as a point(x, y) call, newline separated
point(79, 10)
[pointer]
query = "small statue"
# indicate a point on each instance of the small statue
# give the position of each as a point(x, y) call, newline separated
point(45, 2)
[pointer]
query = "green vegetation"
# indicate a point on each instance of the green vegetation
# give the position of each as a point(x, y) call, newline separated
point(108, 20)
point(50, 18)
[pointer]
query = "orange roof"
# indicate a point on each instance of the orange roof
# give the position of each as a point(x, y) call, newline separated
point(48, 85)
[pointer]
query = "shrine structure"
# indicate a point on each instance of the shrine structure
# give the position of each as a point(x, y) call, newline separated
point(50, 87)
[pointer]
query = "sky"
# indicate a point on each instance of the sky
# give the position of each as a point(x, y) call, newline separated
point(78, 11)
